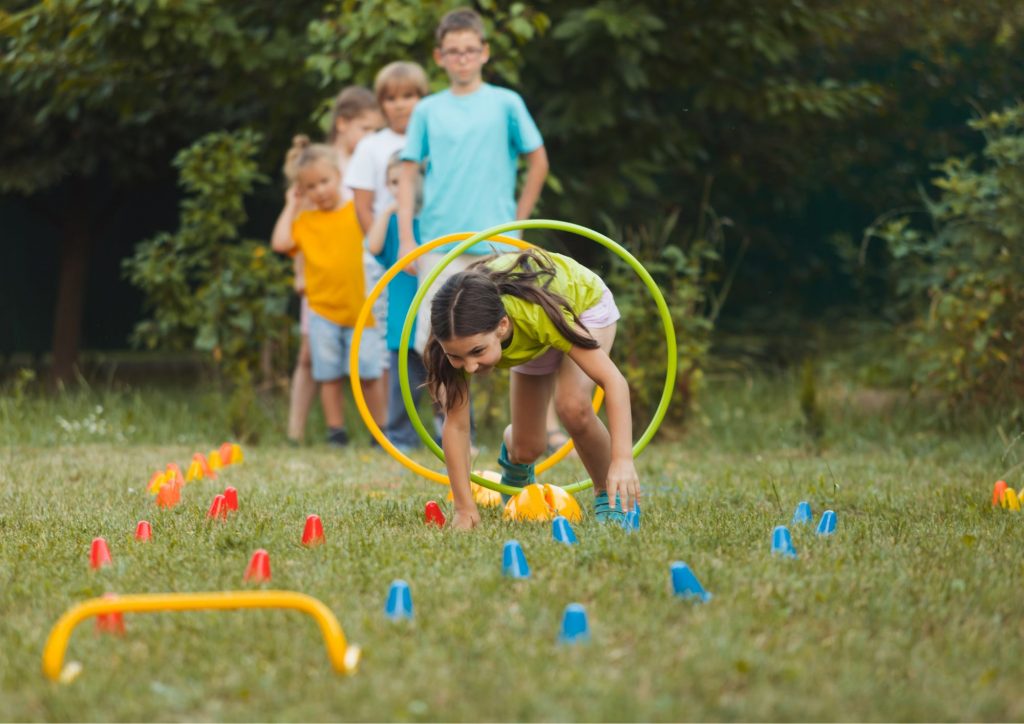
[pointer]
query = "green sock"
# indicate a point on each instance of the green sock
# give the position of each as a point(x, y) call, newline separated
point(517, 475)
point(604, 511)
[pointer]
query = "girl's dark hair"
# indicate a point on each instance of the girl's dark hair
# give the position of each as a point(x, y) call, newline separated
point(470, 303)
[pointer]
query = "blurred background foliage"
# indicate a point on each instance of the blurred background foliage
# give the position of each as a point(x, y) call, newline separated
point(797, 124)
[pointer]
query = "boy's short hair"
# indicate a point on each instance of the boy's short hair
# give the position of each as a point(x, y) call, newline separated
point(403, 74)
point(460, 19)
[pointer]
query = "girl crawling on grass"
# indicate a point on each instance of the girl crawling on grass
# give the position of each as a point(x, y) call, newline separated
point(552, 321)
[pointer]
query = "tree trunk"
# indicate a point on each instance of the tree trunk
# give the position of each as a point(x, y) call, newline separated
point(67, 315)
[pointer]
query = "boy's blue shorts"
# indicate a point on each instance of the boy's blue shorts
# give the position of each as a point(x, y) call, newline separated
point(330, 345)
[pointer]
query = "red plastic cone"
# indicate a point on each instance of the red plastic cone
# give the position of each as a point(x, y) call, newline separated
point(231, 498)
point(313, 533)
point(258, 569)
point(997, 493)
point(99, 554)
point(143, 531)
point(432, 514)
point(218, 508)
point(112, 622)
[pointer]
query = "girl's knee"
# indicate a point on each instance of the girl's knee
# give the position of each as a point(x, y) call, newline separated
point(526, 452)
point(524, 448)
point(575, 413)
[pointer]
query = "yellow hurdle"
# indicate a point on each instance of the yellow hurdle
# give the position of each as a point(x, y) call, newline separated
point(344, 657)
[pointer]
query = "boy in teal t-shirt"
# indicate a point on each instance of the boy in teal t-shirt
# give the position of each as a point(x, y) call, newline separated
point(471, 137)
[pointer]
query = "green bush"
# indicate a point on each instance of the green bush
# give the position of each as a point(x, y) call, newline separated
point(963, 276)
point(688, 269)
point(206, 288)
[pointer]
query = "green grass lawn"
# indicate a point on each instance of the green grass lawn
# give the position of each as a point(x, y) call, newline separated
point(910, 611)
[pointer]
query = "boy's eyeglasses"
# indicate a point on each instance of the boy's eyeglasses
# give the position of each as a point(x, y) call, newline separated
point(452, 53)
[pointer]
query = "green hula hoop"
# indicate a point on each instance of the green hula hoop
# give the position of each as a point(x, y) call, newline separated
point(671, 360)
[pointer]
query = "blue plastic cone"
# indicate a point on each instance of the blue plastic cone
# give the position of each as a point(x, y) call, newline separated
point(827, 525)
point(561, 531)
point(686, 585)
point(575, 629)
point(513, 561)
point(399, 604)
point(803, 513)
point(632, 520)
point(782, 542)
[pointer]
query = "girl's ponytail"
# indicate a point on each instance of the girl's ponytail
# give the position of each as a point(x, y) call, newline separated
point(522, 280)
point(291, 158)
point(470, 303)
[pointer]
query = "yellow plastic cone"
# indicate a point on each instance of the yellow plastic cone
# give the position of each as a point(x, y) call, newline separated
point(214, 461)
point(562, 503)
point(484, 497)
point(195, 472)
point(528, 505)
point(156, 482)
point(236, 453)
point(1010, 500)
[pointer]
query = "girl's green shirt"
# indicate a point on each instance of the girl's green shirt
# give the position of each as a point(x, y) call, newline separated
point(533, 332)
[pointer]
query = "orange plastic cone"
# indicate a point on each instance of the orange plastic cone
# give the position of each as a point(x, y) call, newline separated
point(231, 498)
point(143, 531)
point(99, 554)
point(313, 533)
point(205, 465)
point(169, 495)
point(174, 472)
point(226, 454)
point(218, 508)
point(112, 622)
point(258, 569)
point(432, 514)
point(997, 493)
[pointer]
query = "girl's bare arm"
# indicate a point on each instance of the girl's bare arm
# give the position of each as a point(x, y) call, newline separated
point(455, 441)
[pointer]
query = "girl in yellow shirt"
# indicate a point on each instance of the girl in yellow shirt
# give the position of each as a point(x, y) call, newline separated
point(552, 321)
point(331, 241)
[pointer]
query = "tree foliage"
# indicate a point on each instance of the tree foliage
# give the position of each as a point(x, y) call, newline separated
point(113, 86)
point(99, 94)
point(963, 274)
point(205, 288)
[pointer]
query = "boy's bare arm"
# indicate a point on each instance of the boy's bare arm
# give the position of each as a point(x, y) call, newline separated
point(363, 200)
point(536, 172)
point(406, 207)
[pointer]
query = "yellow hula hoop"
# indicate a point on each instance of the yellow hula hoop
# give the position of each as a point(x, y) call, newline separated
point(357, 338)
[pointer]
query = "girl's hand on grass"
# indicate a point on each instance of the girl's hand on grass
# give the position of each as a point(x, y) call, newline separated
point(623, 481)
point(466, 519)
